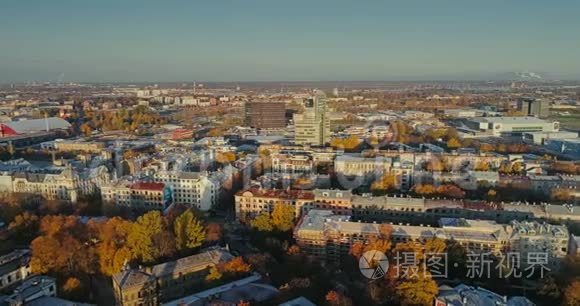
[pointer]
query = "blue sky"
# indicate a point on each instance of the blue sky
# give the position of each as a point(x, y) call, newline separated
point(248, 40)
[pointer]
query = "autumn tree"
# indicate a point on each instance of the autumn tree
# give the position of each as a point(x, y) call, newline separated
point(263, 222)
point(387, 182)
point(418, 290)
point(572, 294)
point(113, 250)
point(435, 246)
point(436, 164)
point(482, 166)
point(214, 232)
point(283, 217)
point(189, 232)
point(236, 266)
point(335, 298)
point(226, 157)
point(86, 129)
point(214, 274)
point(72, 289)
point(141, 237)
point(453, 143)
point(24, 227)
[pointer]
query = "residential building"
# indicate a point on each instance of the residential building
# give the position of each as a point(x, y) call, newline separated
point(14, 268)
point(292, 164)
point(464, 295)
point(313, 125)
point(32, 290)
point(328, 236)
point(254, 201)
point(535, 237)
point(138, 196)
point(249, 289)
point(79, 146)
point(166, 281)
point(265, 115)
point(199, 189)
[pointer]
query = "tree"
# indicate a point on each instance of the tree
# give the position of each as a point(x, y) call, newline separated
point(189, 232)
point(572, 294)
point(236, 266)
point(482, 166)
point(214, 274)
point(451, 191)
point(436, 164)
point(435, 245)
point(226, 157)
point(86, 129)
point(283, 217)
point(214, 232)
point(72, 288)
point(486, 147)
point(419, 290)
point(335, 298)
point(453, 143)
point(112, 249)
point(424, 189)
point(24, 226)
point(262, 222)
point(140, 238)
point(386, 183)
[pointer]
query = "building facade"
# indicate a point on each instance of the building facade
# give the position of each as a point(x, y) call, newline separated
point(138, 196)
point(167, 281)
point(313, 125)
point(265, 115)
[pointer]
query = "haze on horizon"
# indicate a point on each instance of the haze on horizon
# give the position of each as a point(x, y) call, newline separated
point(167, 41)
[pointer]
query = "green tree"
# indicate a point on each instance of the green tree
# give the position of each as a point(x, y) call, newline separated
point(189, 232)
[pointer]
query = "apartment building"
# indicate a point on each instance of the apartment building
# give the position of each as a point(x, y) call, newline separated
point(254, 201)
point(528, 237)
point(199, 189)
point(138, 196)
point(292, 164)
point(328, 236)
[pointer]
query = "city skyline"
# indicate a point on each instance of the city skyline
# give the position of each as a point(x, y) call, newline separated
point(299, 41)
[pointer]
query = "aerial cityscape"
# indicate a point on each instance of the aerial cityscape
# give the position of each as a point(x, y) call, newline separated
point(329, 153)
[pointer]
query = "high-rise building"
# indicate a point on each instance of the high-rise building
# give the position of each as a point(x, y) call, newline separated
point(534, 107)
point(313, 125)
point(265, 115)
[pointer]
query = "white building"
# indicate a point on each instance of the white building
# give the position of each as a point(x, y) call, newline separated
point(313, 126)
point(200, 190)
point(513, 125)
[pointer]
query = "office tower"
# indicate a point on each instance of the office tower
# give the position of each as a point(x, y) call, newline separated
point(313, 125)
point(265, 115)
point(534, 107)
